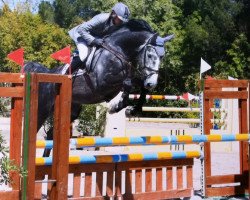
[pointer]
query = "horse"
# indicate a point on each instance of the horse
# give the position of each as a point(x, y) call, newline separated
point(129, 57)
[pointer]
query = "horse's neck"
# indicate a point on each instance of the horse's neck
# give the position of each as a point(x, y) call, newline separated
point(129, 46)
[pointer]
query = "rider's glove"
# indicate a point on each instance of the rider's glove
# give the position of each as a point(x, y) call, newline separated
point(97, 42)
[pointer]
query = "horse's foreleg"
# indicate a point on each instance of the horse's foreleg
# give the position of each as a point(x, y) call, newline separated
point(49, 136)
point(137, 109)
point(123, 102)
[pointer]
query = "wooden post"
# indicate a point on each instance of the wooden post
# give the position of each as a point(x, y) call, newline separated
point(16, 92)
point(213, 89)
point(60, 165)
point(61, 135)
point(16, 137)
point(30, 131)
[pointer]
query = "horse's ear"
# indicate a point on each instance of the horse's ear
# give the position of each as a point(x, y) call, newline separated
point(161, 41)
point(154, 39)
point(169, 37)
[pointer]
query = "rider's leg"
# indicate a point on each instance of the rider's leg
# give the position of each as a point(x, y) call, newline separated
point(82, 47)
point(83, 50)
point(75, 63)
point(78, 60)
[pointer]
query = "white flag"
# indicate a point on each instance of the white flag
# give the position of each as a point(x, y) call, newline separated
point(231, 78)
point(204, 67)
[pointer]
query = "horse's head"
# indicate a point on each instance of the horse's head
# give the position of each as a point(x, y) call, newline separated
point(150, 55)
point(137, 42)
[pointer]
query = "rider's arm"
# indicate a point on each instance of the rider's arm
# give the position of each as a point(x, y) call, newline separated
point(96, 24)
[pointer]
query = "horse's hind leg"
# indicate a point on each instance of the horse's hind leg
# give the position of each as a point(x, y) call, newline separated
point(75, 111)
point(46, 152)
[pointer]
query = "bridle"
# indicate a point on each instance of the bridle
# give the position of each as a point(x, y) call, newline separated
point(144, 49)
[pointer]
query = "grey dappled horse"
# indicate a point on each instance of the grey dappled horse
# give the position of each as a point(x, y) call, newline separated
point(129, 57)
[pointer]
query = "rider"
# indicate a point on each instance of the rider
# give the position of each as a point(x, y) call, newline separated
point(90, 33)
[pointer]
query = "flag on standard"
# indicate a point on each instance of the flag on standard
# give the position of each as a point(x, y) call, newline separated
point(204, 67)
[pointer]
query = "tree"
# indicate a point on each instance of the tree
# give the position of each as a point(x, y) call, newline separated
point(46, 11)
point(210, 31)
point(68, 12)
point(27, 30)
point(7, 165)
point(238, 59)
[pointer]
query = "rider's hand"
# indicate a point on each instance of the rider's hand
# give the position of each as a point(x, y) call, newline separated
point(97, 42)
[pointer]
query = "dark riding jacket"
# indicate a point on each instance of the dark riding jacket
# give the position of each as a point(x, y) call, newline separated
point(98, 27)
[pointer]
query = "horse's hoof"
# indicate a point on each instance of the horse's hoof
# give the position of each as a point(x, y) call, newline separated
point(130, 112)
point(133, 111)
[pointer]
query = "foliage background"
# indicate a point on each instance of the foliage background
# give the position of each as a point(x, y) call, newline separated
point(217, 31)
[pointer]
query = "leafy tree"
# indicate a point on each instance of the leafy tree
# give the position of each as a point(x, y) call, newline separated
point(210, 30)
point(68, 12)
point(46, 11)
point(242, 19)
point(7, 165)
point(238, 59)
point(27, 30)
point(92, 119)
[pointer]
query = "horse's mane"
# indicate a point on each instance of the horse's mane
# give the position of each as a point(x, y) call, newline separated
point(139, 25)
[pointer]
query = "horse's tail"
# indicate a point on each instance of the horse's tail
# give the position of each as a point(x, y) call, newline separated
point(35, 67)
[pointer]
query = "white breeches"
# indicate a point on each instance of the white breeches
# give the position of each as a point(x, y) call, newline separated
point(83, 50)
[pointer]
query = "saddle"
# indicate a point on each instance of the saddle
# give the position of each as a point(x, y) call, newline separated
point(77, 64)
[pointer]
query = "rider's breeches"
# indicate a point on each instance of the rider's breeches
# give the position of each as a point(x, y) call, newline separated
point(83, 51)
point(82, 48)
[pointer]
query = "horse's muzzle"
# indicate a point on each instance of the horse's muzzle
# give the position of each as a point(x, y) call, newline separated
point(151, 82)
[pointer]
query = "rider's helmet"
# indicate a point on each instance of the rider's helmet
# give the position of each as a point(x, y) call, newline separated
point(122, 11)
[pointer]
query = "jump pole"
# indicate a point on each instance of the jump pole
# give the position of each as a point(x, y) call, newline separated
point(91, 159)
point(146, 140)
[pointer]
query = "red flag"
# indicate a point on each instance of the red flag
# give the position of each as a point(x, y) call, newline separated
point(62, 55)
point(17, 56)
point(186, 96)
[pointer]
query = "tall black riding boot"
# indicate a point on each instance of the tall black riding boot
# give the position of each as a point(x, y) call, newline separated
point(76, 63)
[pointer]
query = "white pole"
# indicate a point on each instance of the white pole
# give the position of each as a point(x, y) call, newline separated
point(202, 146)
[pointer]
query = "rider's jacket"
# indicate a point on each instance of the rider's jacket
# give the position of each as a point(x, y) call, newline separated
point(97, 27)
